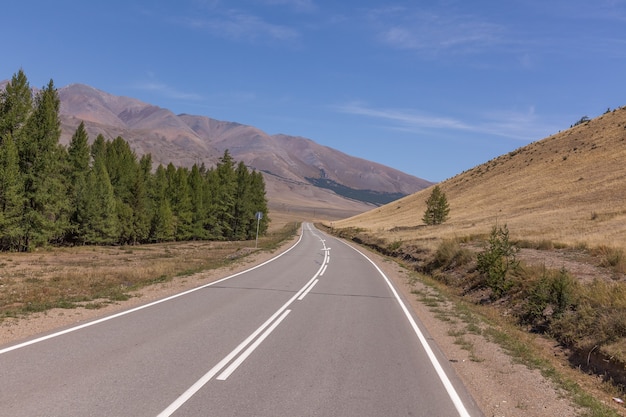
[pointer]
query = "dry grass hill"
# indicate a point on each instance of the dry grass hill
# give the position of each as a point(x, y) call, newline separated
point(563, 200)
point(568, 188)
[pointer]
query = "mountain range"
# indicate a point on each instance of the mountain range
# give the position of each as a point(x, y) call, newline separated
point(301, 175)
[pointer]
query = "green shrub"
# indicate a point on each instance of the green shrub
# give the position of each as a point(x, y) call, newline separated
point(598, 318)
point(394, 246)
point(550, 297)
point(450, 254)
point(497, 260)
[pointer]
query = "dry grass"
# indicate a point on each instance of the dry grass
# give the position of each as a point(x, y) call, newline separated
point(564, 196)
point(92, 276)
point(569, 188)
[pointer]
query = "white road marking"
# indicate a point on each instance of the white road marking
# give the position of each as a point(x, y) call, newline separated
point(308, 289)
point(281, 313)
point(454, 396)
point(233, 366)
point(123, 313)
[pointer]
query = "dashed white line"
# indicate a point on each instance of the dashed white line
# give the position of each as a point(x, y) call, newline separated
point(272, 322)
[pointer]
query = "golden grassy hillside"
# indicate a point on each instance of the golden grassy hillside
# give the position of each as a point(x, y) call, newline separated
point(569, 188)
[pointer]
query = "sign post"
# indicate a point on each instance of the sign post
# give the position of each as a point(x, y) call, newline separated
point(259, 216)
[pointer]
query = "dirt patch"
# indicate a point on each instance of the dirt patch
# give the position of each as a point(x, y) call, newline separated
point(579, 264)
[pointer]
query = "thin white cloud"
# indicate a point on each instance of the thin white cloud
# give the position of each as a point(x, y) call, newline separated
point(233, 97)
point(242, 26)
point(606, 10)
point(297, 5)
point(166, 91)
point(512, 124)
point(403, 117)
point(434, 32)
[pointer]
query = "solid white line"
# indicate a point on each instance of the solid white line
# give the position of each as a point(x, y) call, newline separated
point(233, 366)
point(323, 270)
point(454, 396)
point(304, 294)
point(123, 313)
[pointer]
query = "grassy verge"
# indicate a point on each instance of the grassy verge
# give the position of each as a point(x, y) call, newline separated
point(507, 299)
point(467, 318)
point(94, 276)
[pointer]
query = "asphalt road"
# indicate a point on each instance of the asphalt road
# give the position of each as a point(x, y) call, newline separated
point(317, 331)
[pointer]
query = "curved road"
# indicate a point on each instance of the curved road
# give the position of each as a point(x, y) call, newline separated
point(316, 331)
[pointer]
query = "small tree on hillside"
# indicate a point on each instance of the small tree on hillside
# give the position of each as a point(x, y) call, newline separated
point(497, 260)
point(437, 208)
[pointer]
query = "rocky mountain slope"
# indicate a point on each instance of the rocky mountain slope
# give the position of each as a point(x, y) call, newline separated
point(301, 174)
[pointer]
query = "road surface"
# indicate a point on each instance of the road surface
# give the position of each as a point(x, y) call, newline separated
point(316, 331)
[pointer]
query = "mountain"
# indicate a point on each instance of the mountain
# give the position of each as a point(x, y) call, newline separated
point(567, 188)
point(149, 129)
point(301, 175)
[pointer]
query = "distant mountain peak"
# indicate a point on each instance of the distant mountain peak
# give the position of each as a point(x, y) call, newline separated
point(186, 139)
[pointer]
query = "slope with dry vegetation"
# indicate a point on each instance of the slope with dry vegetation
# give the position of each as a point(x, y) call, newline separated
point(559, 202)
point(567, 188)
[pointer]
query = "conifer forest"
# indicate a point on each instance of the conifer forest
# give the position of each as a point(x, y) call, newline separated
point(102, 193)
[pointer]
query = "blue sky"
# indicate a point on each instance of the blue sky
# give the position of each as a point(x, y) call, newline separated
point(431, 88)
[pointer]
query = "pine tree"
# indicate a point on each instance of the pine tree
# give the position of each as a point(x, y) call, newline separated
point(180, 201)
point(259, 204)
point(212, 206)
point(42, 160)
point(15, 109)
point(437, 208)
point(122, 166)
point(79, 152)
point(98, 148)
point(121, 163)
point(163, 227)
point(197, 187)
point(97, 219)
point(140, 204)
point(15, 106)
point(11, 196)
point(78, 169)
point(225, 194)
point(243, 209)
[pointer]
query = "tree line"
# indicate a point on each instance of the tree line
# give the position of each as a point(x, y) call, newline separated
point(103, 193)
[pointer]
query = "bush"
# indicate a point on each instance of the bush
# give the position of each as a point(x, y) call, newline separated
point(611, 258)
point(597, 319)
point(582, 120)
point(394, 246)
point(497, 260)
point(549, 297)
point(449, 254)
